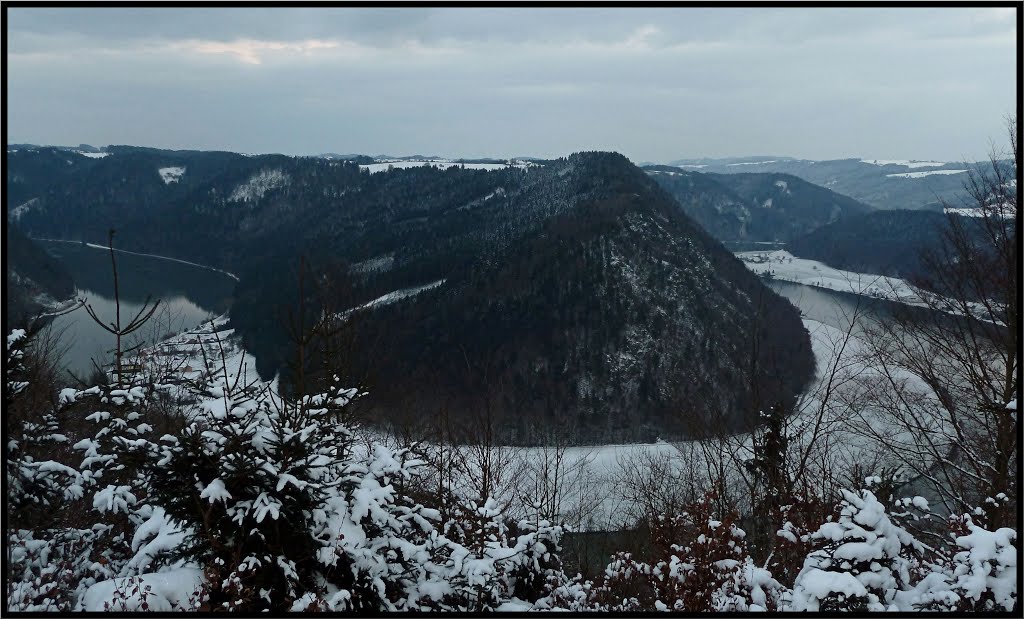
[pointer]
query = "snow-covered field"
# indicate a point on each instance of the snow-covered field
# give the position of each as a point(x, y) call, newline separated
point(398, 295)
point(92, 155)
point(374, 265)
point(181, 357)
point(259, 184)
point(171, 175)
point(782, 265)
point(442, 164)
point(922, 174)
point(910, 163)
point(394, 296)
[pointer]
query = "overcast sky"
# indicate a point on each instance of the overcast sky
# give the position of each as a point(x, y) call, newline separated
point(653, 84)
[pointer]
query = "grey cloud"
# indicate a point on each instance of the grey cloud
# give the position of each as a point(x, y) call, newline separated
point(655, 84)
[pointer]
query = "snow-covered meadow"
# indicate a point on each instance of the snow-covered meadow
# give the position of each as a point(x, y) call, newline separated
point(441, 164)
point(782, 265)
point(909, 163)
point(171, 174)
point(923, 174)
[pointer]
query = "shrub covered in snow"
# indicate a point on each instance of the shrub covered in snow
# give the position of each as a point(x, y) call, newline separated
point(863, 560)
point(251, 478)
point(260, 503)
point(700, 565)
point(980, 576)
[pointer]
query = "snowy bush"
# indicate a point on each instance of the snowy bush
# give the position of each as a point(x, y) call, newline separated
point(863, 561)
point(701, 565)
point(51, 570)
point(250, 478)
point(486, 560)
point(36, 483)
point(985, 572)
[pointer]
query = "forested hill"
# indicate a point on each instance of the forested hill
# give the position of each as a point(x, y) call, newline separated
point(574, 295)
point(32, 277)
point(882, 184)
point(754, 206)
point(882, 242)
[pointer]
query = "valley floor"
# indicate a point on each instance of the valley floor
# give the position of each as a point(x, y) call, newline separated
point(596, 487)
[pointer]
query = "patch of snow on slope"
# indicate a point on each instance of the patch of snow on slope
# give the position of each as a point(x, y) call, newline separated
point(92, 155)
point(1007, 212)
point(910, 163)
point(171, 175)
point(374, 265)
point(920, 174)
point(391, 297)
point(259, 184)
point(752, 162)
point(16, 212)
point(783, 185)
point(398, 295)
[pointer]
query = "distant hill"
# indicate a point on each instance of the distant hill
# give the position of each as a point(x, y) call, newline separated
point(882, 184)
point(754, 207)
point(881, 242)
point(33, 278)
point(573, 296)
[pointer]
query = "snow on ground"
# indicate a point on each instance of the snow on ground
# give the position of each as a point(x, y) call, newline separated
point(910, 163)
point(135, 253)
point(752, 162)
point(171, 175)
point(964, 212)
point(374, 265)
point(184, 353)
point(499, 192)
point(259, 184)
point(921, 174)
point(92, 155)
point(397, 295)
point(782, 265)
point(160, 592)
point(692, 165)
point(15, 213)
point(594, 490)
point(442, 164)
point(1007, 211)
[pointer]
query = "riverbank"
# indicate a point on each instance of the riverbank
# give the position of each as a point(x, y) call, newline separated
point(135, 253)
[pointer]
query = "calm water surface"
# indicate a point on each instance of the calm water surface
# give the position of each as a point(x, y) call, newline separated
point(188, 296)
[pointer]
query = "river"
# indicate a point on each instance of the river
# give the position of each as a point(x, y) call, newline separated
point(188, 295)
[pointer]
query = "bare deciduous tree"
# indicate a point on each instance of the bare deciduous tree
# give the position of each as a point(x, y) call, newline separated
point(947, 374)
